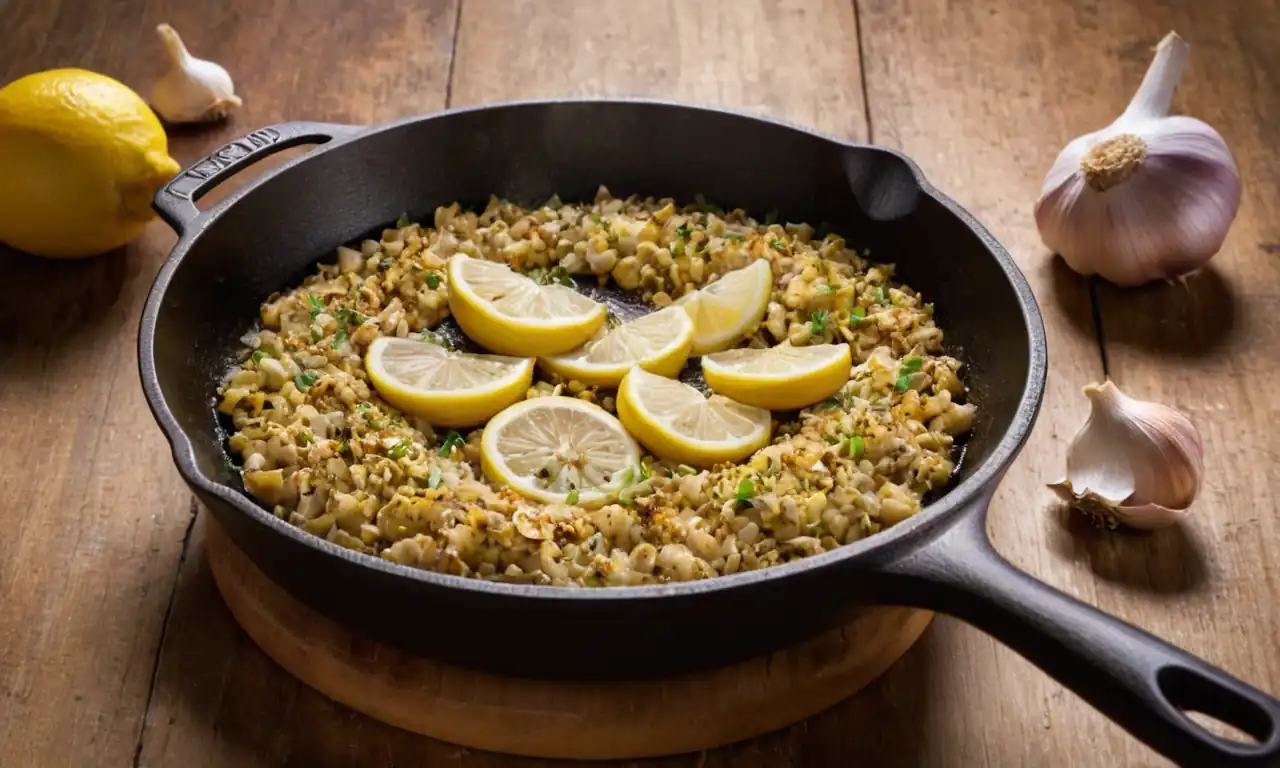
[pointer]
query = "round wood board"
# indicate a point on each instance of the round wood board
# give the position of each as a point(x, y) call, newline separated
point(539, 718)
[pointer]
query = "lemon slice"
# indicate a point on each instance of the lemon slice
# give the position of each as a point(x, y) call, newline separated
point(728, 309)
point(782, 378)
point(511, 314)
point(558, 450)
point(448, 389)
point(677, 423)
point(658, 342)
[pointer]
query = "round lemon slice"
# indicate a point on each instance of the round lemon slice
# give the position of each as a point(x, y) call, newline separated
point(558, 450)
point(658, 342)
point(448, 389)
point(677, 423)
point(728, 309)
point(782, 378)
point(508, 313)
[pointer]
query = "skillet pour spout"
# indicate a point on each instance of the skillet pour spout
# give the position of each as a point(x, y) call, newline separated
point(268, 233)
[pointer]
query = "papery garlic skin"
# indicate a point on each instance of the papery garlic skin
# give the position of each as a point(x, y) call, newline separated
point(1138, 461)
point(1150, 196)
point(193, 90)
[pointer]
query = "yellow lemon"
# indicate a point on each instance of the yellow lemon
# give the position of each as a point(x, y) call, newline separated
point(508, 313)
point(448, 389)
point(658, 342)
point(558, 450)
point(677, 423)
point(82, 155)
point(728, 309)
point(782, 378)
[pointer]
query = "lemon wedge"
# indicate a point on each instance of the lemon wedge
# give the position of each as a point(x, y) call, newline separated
point(448, 389)
point(510, 314)
point(677, 423)
point(658, 342)
point(728, 309)
point(558, 450)
point(782, 378)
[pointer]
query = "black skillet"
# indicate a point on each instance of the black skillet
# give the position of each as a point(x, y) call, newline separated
point(267, 235)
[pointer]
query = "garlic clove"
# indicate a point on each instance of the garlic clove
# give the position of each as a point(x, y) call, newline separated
point(1150, 196)
point(193, 90)
point(1136, 461)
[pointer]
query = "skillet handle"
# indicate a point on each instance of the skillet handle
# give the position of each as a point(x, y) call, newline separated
point(1138, 680)
point(176, 201)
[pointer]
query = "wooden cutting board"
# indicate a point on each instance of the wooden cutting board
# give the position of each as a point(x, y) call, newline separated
point(559, 719)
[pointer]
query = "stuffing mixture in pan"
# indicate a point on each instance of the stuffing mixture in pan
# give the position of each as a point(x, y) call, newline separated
point(834, 408)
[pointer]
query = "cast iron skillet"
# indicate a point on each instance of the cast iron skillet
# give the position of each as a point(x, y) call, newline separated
point(268, 234)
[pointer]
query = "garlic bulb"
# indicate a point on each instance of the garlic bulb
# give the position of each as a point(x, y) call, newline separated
point(1150, 196)
point(1137, 462)
point(193, 90)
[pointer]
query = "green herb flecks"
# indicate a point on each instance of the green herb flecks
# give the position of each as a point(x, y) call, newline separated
point(451, 440)
point(431, 337)
point(257, 356)
point(734, 236)
point(903, 383)
point(683, 232)
point(571, 498)
point(403, 221)
point(306, 438)
point(855, 446)
point(339, 338)
point(826, 289)
point(364, 407)
point(553, 274)
point(553, 202)
point(317, 306)
point(777, 245)
point(912, 363)
point(858, 314)
point(433, 279)
point(349, 316)
point(878, 293)
point(745, 493)
point(305, 379)
point(818, 322)
point(399, 449)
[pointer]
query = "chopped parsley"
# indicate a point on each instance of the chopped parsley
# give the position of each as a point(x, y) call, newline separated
point(317, 306)
point(645, 472)
point(364, 407)
point(878, 293)
point(818, 322)
point(349, 316)
point(344, 446)
point(683, 232)
point(451, 440)
point(825, 289)
point(386, 264)
point(903, 383)
point(316, 333)
point(403, 221)
point(856, 445)
point(595, 217)
point(432, 278)
point(776, 244)
point(549, 275)
point(431, 337)
point(306, 438)
point(257, 356)
point(553, 202)
point(734, 236)
point(572, 498)
point(912, 364)
point(339, 337)
point(626, 502)
point(398, 450)
point(305, 379)
point(746, 491)
point(857, 313)
point(434, 477)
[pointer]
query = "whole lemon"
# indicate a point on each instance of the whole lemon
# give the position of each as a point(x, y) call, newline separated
point(81, 156)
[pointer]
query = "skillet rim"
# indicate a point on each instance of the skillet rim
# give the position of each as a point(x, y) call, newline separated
point(973, 491)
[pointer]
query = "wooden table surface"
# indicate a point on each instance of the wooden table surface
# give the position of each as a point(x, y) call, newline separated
point(114, 646)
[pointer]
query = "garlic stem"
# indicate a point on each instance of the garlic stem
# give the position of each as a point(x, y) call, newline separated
point(1155, 96)
point(173, 46)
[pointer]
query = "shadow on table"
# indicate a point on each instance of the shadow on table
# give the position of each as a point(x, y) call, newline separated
point(217, 696)
point(1167, 561)
point(1191, 317)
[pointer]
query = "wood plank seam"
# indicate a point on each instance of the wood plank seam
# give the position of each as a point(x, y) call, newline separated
point(453, 56)
point(194, 511)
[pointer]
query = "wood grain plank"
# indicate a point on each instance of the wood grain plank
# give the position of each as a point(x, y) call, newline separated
point(1206, 346)
point(796, 59)
point(996, 88)
point(95, 512)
